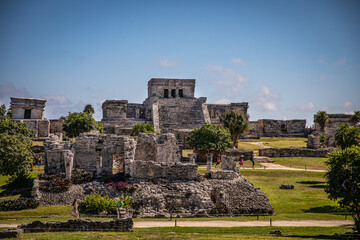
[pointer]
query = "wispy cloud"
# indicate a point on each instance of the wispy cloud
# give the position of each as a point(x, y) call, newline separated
point(322, 61)
point(223, 101)
point(339, 62)
point(239, 61)
point(321, 78)
point(266, 100)
point(227, 80)
point(9, 90)
point(347, 106)
point(168, 63)
point(307, 106)
point(56, 100)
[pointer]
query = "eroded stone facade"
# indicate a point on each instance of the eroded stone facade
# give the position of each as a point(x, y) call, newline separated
point(277, 128)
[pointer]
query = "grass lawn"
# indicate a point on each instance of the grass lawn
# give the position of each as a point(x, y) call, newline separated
point(300, 162)
point(276, 142)
point(307, 201)
point(201, 233)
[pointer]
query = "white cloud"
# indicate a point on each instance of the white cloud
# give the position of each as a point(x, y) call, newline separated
point(9, 90)
point(284, 118)
point(307, 106)
point(347, 106)
point(168, 63)
point(223, 101)
point(321, 78)
point(56, 100)
point(340, 62)
point(227, 80)
point(266, 100)
point(239, 61)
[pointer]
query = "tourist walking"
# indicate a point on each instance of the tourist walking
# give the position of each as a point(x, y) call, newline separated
point(119, 205)
point(252, 160)
point(75, 211)
point(241, 161)
point(218, 161)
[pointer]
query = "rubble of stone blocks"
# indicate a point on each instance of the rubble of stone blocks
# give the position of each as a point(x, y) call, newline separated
point(234, 153)
point(294, 152)
point(10, 233)
point(223, 174)
point(79, 225)
point(145, 156)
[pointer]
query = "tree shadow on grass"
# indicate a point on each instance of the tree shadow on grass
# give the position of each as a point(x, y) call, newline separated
point(15, 188)
point(313, 184)
point(325, 209)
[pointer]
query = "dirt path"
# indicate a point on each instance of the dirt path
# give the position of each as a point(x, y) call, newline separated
point(254, 223)
point(281, 167)
point(276, 223)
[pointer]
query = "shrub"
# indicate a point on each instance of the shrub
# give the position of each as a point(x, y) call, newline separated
point(18, 204)
point(128, 201)
point(95, 203)
point(56, 185)
point(142, 128)
point(43, 176)
point(80, 176)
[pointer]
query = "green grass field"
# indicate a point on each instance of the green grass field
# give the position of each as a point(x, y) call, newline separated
point(202, 233)
point(276, 142)
point(301, 162)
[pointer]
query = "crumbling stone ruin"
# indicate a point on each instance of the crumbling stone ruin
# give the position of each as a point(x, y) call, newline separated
point(31, 112)
point(329, 131)
point(277, 128)
point(294, 152)
point(170, 107)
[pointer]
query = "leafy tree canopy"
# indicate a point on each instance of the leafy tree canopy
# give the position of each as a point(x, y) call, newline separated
point(15, 144)
point(211, 138)
point(355, 118)
point(322, 119)
point(142, 128)
point(79, 122)
point(347, 136)
point(343, 180)
point(89, 109)
point(236, 123)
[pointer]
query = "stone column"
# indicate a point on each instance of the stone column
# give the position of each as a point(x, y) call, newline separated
point(209, 162)
point(69, 162)
point(192, 157)
point(98, 165)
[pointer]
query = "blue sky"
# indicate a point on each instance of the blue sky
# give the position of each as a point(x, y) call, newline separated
point(288, 59)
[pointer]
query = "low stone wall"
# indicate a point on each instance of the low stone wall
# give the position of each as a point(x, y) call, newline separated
point(233, 153)
point(294, 152)
point(79, 225)
point(151, 170)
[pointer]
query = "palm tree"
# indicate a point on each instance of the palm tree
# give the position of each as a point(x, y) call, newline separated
point(236, 123)
point(89, 109)
point(322, 119)
point(355, 118)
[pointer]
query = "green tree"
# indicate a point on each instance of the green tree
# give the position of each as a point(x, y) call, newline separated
point(322, 119)
point(347, 136)
point(355, 118)
point(89, 109)
point(237, 125)
point(211, 138)
point(79, 122)
point(142, 128)
point(15, 144)
point(343, 180)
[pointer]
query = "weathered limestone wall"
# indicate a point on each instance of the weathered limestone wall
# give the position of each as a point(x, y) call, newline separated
point(110, 153)
point(294, 152)
point(35, 107)
point(156, 87)
point(277, 128)
point(159, 149)
point(219, 110)
point(232, 153)
point(80, 225)
point(58, 156)
point(152, 170)
point(56, 125)
point(180, 113)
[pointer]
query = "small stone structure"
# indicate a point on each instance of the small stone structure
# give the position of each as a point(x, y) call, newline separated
point(31, 112)
point(329, 131)
point(277, 128)
point(79, 225)
point(234, 153)
point(294, 152)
